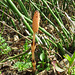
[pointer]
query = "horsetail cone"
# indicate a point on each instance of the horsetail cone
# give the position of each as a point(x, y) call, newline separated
point(36, 20)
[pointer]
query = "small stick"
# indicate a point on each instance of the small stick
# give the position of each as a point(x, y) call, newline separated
point(7, 15)
point(3, 22)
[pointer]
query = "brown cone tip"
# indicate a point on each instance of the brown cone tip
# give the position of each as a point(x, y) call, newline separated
point(36, 20)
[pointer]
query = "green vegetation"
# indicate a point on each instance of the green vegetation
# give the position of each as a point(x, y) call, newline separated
point(4, 48)
point(71, 60)
point(55, 38)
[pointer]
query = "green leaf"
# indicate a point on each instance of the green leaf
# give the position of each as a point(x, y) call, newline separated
point(3, 41)
point(73, 57)
point(42, 56)
point(68, 57)
point(26, 45)
point(0, 72)
point(22, 65)
point(4, 45)
point(1, 47)
point(39, 62)
point(48, 68)
point(28, 64)
point(8, 49)
point(0, 37)
point(73, 70)
point(38, 66)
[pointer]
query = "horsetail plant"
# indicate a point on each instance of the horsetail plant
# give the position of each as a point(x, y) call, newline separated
point(26, 20)
point(35, 27)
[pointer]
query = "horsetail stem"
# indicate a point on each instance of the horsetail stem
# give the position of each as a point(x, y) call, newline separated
point(35, 27)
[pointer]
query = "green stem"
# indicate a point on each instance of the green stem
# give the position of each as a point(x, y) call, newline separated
point(52, 42)
point(60, 49)
point(57, 12)
point(1, 2)
point(58, 21)
point(47, 33)
point(14, 24)
point(73, 4)
point(24, 10)
point(1, 20)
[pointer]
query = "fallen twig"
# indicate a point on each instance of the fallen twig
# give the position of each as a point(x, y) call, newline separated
point(14, 30)
point(23, 53)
